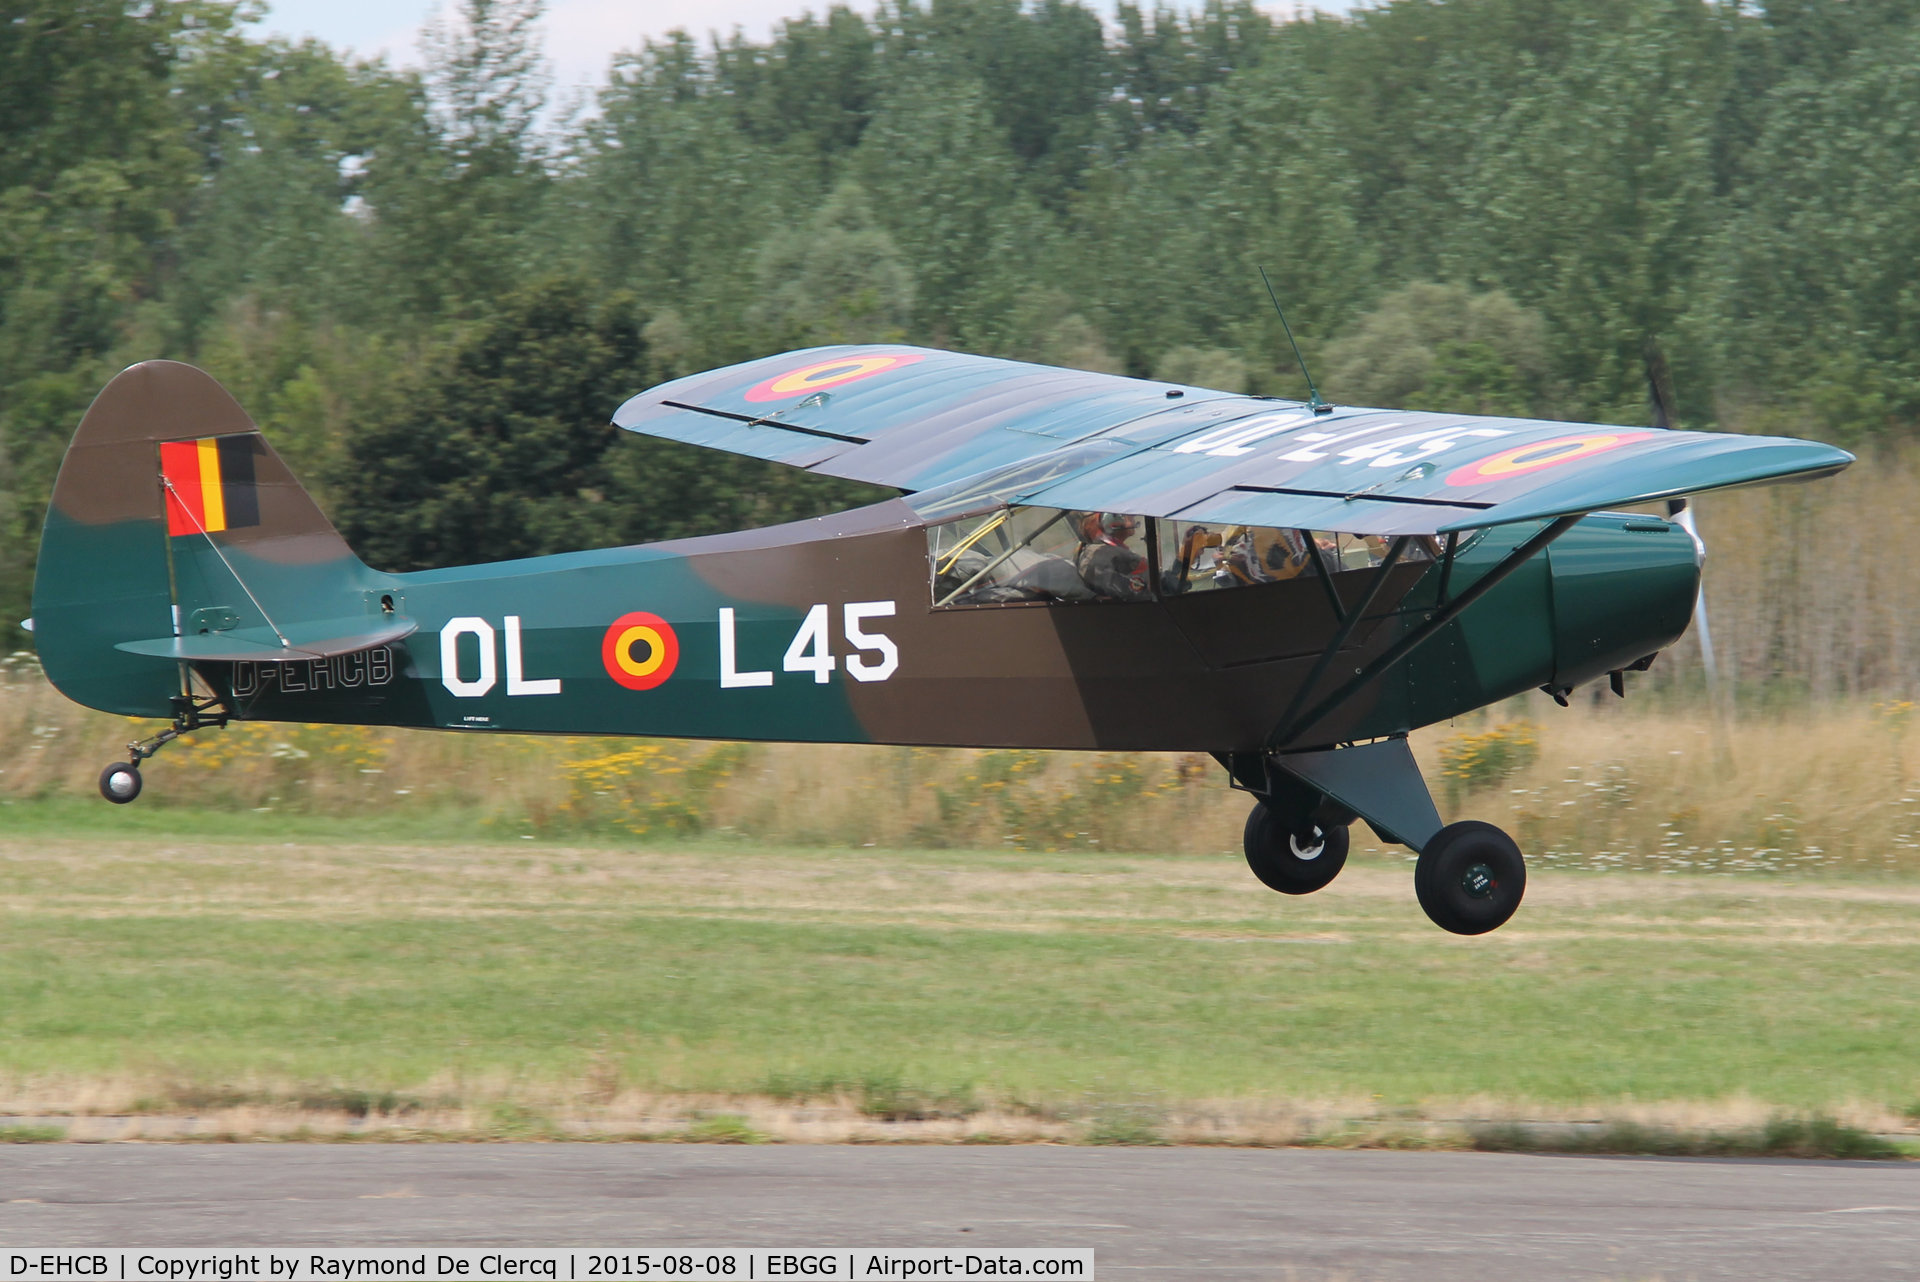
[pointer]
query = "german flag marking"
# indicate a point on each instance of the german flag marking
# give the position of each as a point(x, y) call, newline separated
point(210, 485)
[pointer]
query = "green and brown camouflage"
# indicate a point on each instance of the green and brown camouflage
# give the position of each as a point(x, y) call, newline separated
point(520, 645)
point(183, 567)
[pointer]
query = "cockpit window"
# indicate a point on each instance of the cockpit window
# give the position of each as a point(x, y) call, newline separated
point(1036, 554)
point(1203, 558)
point(1039, 554)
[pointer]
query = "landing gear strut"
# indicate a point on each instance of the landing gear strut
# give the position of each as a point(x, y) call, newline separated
point(1293, 861)
point(120, 782)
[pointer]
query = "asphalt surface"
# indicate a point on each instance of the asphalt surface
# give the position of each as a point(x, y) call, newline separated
point(1158, 1213)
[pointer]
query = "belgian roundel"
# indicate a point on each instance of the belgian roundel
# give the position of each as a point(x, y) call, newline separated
point(822, 375)
point(1536, 456)
point(640, 650)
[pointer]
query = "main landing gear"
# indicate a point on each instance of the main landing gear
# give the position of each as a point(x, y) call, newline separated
point(1469, 877)
point(120, 782)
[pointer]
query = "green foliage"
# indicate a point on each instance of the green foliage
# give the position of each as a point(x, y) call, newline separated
point(1482, 205)
point(1446, 348)
point(1203, 367)
point(497, 449)
point(837, 279)
point(1821, 326)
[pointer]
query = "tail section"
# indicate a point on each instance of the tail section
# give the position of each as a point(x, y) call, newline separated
point(176, 536)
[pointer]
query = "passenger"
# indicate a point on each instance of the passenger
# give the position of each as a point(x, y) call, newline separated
point(1112, 569)
point(1178, 577)
point(1258, 554)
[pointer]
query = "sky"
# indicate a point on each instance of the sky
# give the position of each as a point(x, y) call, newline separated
point(582, 35)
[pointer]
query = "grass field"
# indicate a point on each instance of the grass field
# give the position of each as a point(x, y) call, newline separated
point(297, 974)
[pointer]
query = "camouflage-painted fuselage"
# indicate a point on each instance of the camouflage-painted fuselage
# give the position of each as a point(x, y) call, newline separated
point(821, 630)
point(1207, 672)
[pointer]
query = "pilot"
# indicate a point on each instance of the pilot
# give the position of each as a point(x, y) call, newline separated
point(1112, 569)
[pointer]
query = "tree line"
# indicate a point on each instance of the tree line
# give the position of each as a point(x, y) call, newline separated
point(432, 287)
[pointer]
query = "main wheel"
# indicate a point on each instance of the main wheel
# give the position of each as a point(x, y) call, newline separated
point(1289, 862)
point(120, 783)
point(1470, 878)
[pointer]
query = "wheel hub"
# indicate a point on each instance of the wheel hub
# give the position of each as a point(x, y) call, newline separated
point(1312, 848)
point(1478, 881)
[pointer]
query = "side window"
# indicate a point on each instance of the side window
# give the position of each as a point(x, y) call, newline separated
point(1038, 554)
point(1204, 558)
point(1364, 551)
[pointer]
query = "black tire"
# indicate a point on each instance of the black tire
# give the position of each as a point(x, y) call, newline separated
point(120, 783)
point(1470, 878)
point(1286, 863)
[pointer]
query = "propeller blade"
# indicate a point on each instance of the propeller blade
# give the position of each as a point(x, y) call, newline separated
point(1684, 518)
point(1660, 414)
point(1660, 398)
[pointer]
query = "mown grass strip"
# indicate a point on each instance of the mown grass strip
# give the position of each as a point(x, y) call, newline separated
point(1114, 995)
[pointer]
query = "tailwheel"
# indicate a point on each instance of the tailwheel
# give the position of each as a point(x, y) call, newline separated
point(1470, 877)
point(120, 783)
point(1293, 862)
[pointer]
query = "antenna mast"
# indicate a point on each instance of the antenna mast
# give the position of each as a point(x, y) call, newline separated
point(1314, 402)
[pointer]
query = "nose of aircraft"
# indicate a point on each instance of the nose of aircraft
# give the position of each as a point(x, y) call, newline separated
point(1623, 587)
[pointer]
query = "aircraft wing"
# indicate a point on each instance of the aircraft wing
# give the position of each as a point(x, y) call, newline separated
point(1370, 471)
point(910, 417)
point(976, 429)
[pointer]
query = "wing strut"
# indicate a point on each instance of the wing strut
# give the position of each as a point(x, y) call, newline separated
point(1291, 729)
point(1326, 579)
point(1347, 625)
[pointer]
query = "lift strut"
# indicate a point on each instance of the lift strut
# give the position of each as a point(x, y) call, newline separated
point(1291, 729)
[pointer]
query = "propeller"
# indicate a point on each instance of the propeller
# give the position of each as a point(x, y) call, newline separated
point(1661, 401)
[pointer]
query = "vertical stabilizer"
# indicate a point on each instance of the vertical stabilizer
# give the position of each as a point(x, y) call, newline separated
point(172, 517)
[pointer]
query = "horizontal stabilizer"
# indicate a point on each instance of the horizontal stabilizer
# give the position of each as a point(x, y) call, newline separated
point(318, 640)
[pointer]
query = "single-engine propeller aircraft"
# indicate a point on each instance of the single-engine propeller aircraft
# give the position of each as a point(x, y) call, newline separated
point(1077, 560)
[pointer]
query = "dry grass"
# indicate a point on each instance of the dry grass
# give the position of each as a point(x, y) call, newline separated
point(94, 1112)
point(1812, 588)
point(1810, 762)
point(1649, 784)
